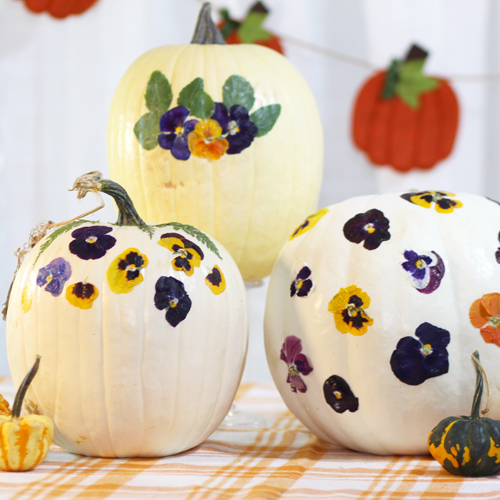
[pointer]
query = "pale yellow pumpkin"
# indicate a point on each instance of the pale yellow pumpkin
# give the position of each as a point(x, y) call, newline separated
point(249, 201)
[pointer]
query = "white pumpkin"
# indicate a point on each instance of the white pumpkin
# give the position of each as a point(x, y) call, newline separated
point(142, 332)
point(374, 307)
point(245, 178)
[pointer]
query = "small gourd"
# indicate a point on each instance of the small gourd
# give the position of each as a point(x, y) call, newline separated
point(468, 446)
point(24, 441)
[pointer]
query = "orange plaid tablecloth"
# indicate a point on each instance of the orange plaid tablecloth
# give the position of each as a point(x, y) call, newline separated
point(280, 460)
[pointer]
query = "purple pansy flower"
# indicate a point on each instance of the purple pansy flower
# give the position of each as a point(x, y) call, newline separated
point(297, 363)
point(91, 242)
point(417, 359)
point(236, 126)
point(175, 130)
point(171, 295)
point(54, 275)
point(372, 227)
point(339, 395)
point(424, 271)
point(302, 284)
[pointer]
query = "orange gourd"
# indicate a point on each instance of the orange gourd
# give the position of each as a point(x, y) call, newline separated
point(405, 119)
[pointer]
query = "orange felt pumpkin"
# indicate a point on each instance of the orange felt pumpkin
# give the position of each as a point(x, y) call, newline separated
point(250, 29)
point(59, 8)
point(404, 118)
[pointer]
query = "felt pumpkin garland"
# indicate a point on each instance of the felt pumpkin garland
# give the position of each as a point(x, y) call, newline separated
point(249, 30)
point(404, 118)
point(59, 8)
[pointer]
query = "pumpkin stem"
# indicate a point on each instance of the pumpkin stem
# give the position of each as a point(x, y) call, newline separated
point(478, 392)
point(93, 181)
point(206, 33)
point(21, 392)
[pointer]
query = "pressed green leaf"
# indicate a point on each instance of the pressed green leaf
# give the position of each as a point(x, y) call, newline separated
point(158, 93)
point(202, 105)
point(147, 130)
point(412, 83)
point(237, 90)
point(251, 29)
point(61, 230)
point(189, 91)
point(195, 233)
point(265, 118)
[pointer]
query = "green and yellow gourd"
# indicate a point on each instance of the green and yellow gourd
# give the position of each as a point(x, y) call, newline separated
point(24, 441)
point(142, 329)
point(468, 446)
point(226, 138)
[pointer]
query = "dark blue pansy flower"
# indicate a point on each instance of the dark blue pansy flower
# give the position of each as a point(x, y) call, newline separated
point(497, 253)
point(339, 395)
point(302, 284)
point(175, 130)
point(417, 359)
point(91, 242)
point(291, 354)
point(54, 275)
point(372, 227)
point(171, 295)
point(236, 126)
point(424, 271)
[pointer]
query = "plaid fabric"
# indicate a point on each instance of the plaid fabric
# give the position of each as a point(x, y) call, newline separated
point(281, 459)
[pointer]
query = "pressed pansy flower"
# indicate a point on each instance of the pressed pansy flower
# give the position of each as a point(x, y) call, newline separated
point(205, 140)
point(302, 284)
point(236, 126)
point(171, 296)
point(82, 294)
point(125, 271)
point(176, 127)
point(27, 297)
point(309, 223)
point(291, 354)
point(348, 308)
point(54, 275)
point(216, 281)
point(91, 242)
point(444, 203)
point(187, 254)
point(339, 395)
point(497, 253)
point(424, 271)
point(485, 315)
point(371, 227)
point(417, 359)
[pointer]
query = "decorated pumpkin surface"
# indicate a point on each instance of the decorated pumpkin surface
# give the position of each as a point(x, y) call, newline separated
point(142, 329)
point(226, 138)
point(250, 29)
point(374, 306)
point(404, 118)
point(59, 8)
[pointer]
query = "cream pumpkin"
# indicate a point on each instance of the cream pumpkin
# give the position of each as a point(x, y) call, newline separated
point(374, 307)
point(142, 330)
point(224, 137)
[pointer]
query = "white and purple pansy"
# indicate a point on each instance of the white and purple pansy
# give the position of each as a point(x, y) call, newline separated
point(423, 270)
point(236, 125)
point(54, 275)
point(302, 285)
point(91, 242)
point(291, 354)
point(175, 128)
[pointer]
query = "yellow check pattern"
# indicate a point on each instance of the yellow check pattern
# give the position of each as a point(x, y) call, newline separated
point(280, 460)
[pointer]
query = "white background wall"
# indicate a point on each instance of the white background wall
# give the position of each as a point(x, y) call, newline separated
point(57, 79)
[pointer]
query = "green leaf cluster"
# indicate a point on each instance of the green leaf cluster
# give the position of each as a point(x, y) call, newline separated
point(235, 91)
